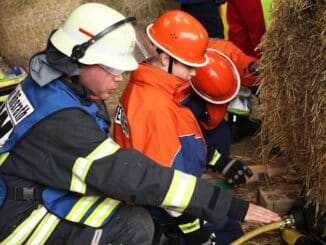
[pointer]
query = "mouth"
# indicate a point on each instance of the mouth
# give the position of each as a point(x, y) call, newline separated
point(113, 90)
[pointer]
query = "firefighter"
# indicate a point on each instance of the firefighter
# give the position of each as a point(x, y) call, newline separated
point(214, 87)
point(151, 117)
point(64, 180)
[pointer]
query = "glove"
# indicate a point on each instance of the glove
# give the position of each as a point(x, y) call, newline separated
point(252, 69)
point(192, 230)
point(234, 171)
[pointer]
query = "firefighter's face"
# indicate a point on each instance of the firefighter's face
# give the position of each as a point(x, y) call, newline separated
point(102, 83)
point(179, 70)
point(182, 71)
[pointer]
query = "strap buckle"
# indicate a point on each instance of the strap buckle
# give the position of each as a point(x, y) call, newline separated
point(24, 193)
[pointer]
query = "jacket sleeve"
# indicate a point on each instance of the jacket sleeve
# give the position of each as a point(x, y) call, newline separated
point(48, 154)
point(137, 179)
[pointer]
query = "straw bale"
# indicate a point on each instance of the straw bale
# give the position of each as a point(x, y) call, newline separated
point(293, 74)
point(26, 25)
point(145, 11)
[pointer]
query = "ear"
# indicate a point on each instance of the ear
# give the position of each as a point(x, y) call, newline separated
point(164, 59)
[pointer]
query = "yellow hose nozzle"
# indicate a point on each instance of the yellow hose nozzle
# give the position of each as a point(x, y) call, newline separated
point(287, 221)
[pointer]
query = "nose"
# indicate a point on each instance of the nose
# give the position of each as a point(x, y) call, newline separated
point(192, 72)
point(118, 78)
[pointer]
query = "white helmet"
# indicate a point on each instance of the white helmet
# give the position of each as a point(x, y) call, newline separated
point(97, 34)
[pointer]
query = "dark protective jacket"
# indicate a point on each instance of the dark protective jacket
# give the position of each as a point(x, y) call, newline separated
point(48, 154)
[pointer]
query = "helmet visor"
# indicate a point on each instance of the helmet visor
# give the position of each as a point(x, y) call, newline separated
point(144, 49)
point(111, 70)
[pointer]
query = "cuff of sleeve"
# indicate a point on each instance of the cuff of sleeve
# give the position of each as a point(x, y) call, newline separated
point(238, 209)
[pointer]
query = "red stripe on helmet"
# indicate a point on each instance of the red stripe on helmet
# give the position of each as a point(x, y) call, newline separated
point(85, 32)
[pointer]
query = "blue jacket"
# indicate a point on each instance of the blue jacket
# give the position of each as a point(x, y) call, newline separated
point(30, 104)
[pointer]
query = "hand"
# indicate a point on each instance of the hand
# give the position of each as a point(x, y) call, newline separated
point(234, 171)
point(192, 229)
point(261, 215)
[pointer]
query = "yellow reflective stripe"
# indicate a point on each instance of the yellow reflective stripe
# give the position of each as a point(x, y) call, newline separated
point(106, 148)
point(82, 165)
point(81, 207)
point(190, 227)
point(216, 156)
point(80, 170)
point(101, 212)
point(44, 230)
point(3, 98)
point(3, 157)
point(11, 82)
point(180, 191)
point(222, 10)
point(266, 6)
point(19, 235)
point(238, 112)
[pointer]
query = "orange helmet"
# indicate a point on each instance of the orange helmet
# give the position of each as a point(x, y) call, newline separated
point(181, 36)
point(219, 81)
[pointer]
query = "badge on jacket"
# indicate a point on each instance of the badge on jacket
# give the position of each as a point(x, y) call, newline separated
point(120, 118)
point(15, 109)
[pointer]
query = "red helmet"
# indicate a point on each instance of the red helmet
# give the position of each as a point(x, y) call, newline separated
point(219, 81)
point(181, 36)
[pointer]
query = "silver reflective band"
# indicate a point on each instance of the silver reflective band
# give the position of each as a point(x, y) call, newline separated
point(112, 70)
point(228, 166)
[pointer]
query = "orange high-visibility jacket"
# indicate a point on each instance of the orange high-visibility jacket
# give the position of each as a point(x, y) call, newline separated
point(151, 119)
point(243, 63)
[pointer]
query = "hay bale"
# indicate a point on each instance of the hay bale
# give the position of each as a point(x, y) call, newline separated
point(25, 26)
point(145, 11)
point(293, 75)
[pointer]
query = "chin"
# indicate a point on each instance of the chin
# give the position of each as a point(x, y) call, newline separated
point(106, 97)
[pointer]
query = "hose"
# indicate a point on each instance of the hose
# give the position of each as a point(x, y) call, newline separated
point(291, 236)
point(260, 230)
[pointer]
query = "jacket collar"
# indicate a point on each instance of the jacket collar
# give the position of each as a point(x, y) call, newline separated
point(170, 85)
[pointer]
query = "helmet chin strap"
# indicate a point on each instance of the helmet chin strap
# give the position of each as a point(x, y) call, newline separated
point(171, 60)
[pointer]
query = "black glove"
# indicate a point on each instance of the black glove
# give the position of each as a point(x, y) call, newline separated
point(252, 69)
point(192, 230)
point(234, 171)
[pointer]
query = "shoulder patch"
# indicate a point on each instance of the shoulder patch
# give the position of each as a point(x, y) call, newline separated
point(121, 119)
point(15, 109)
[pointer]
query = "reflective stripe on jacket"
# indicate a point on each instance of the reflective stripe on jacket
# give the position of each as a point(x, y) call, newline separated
point(30, 104)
